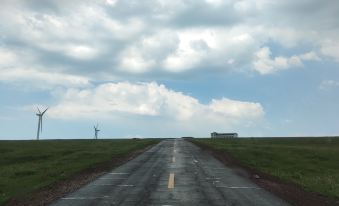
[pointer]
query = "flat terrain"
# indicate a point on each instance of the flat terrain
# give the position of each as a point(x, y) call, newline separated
point(312, 163)
point(27, 166)
point(174, 172)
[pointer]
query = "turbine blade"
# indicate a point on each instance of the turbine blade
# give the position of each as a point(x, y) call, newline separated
point(38, 110)
point(45, 111)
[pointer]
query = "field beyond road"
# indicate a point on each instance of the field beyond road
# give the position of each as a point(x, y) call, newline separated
point(28, 166)
point(312, 163)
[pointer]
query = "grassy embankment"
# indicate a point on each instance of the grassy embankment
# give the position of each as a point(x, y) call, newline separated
point(27, 166)
point(312, 163)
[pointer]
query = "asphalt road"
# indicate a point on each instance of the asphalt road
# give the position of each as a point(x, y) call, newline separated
point(174, 172)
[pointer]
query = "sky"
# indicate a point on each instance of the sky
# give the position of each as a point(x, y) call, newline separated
point(169, 68)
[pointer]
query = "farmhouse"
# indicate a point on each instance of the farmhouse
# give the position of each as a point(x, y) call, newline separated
point(223, 135)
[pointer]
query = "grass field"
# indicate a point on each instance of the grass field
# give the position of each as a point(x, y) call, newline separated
point(310, 162)
point(26, 166)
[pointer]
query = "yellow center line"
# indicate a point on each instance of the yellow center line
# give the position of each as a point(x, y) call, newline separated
point(171, 181)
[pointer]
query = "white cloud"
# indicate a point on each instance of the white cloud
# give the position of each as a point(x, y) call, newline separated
point(81, 52)
point(265, 64)
point(237, 109)
point(111, 2)
point(138, 99)
point(13, 70)
point(151, 100)
point(327, 85)
point(211, 48)
point(7, 57)
point(188, 49)
point(160, 37)
point(41, 79)
point(287, 37)
point(134, 63)
point(310, 56)
point(147, 53)
point(330, 48)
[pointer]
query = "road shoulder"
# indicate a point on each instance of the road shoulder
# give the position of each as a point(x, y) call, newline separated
point(60, 189)
point(292, 193)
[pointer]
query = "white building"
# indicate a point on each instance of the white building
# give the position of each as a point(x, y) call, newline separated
point(224, 135)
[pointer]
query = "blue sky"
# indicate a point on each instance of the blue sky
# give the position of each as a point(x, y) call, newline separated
point(161, 68)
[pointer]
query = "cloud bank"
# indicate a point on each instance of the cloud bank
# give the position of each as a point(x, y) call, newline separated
point(153, 38)
point(125, 100)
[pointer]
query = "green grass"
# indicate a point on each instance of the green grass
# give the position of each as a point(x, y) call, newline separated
point(312, 163)
point(26, 166)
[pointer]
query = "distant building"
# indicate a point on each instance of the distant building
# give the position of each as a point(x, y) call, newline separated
point(187, 137)
point(224, 135)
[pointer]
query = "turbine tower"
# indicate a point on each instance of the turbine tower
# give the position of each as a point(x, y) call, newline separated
point(40, 114)
point(96, 130)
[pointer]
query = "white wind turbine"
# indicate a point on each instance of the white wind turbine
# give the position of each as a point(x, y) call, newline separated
point(96, 131)
point(40, 114)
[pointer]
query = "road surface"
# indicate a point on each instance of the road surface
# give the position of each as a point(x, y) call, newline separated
point(174, 172)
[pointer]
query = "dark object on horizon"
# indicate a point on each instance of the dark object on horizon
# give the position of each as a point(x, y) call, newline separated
point(96, 130)
point(40, 114)
point(224, 135)
point(187, 137)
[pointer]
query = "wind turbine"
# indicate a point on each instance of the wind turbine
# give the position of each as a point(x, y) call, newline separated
point(96, 130)
point(40, 114)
